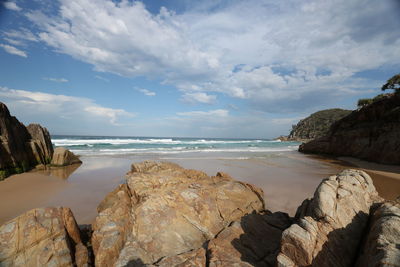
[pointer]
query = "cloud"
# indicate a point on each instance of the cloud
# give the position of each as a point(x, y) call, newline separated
point(12, 6)
point(12, 41)
point(272, 54)
point(13, 50)
point(57, 80)
point(146, 92)
point(101, 78)
point(74, 109)
point(22, 34)
point(200, 97)
point(202, 114)
point(220, 123)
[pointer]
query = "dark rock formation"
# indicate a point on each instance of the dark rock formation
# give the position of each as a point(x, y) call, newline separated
point(317, 124)
point(42, 237)
point(21, 148)
point(371, 133)
point(64, 157)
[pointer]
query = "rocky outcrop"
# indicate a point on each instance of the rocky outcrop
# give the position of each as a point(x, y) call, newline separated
point(317, 124)
point(371, 133)
point(63, 157)
point(165, 215)
point(164, 210)
point(330, 226)
point(42, 237)
point(382, 246)
point(21, 148)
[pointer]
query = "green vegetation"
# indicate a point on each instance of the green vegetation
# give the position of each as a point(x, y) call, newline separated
point(364, 102)
point(4, 174)
point(317, 124)
point(393, 83)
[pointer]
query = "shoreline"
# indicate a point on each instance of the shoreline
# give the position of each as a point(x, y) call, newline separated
point(286, 179)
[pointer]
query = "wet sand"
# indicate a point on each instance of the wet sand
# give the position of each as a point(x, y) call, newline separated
point(287, 179)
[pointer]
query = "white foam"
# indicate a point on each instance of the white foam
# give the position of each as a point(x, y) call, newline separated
point(167, 141)
point(178, 150)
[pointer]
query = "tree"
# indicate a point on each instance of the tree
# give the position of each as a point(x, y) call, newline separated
point(364, 102)
point(393, 83)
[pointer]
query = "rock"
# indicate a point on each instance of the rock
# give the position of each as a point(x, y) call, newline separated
point(164, 210)
point(382, 246)
point(371, 133)
point(330, 227)
point(21, 148)
point(63, 157)
point(42, 237)
point(40, 143)
point(252, 241)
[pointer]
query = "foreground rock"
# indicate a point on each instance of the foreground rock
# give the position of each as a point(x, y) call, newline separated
point(21, 148)
point(164, 210)
point(64, 157)
point(165, 215)
point(382, 247)
point(42, 237)
point(371, 133)
point(330, 226)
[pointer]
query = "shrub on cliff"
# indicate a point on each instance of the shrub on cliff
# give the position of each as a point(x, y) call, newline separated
point(393, 83)
point(364, 102)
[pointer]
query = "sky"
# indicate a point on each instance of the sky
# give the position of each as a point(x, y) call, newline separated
point(181, 68)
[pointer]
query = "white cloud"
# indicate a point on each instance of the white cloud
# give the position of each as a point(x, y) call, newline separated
point(146, 92)
point(276, 54)
point(74, 109)
point(205, 114)
point(12, 6)
point(22, 34)
point(13, 50)
point(200, 97)
point(101, 78)
point(57, 80)
point(12, 41)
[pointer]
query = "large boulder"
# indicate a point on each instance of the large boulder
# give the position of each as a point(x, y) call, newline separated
point(21, 148)
point(42, 237)
point(371, 133)
point(382, 246)
point(164, 210)
point(330, 227)
point(64, 157)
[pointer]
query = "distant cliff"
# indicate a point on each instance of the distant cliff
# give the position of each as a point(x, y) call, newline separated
point(371, 133)
point(21, 148)
point(317, 124)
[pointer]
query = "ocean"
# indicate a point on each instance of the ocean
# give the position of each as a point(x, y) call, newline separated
point(159, 147)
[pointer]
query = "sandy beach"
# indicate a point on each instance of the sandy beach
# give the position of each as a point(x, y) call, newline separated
point(286, 178)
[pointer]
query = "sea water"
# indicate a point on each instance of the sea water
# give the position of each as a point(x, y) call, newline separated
point(159, 146)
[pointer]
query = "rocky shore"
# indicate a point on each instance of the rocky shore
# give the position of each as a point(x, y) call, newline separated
point(164, 215)
point(371, 133)
point(23, 148)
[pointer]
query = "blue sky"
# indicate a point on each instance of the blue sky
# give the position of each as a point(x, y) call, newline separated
point(240, 69)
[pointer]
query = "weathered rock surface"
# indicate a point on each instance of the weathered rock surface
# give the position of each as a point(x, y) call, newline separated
point(164, 210)
point(330, 226)
point(371, 133)
point(64, 157)
point(42, 237)
point(382, 246)
point(165, 215)
point(21, 147)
